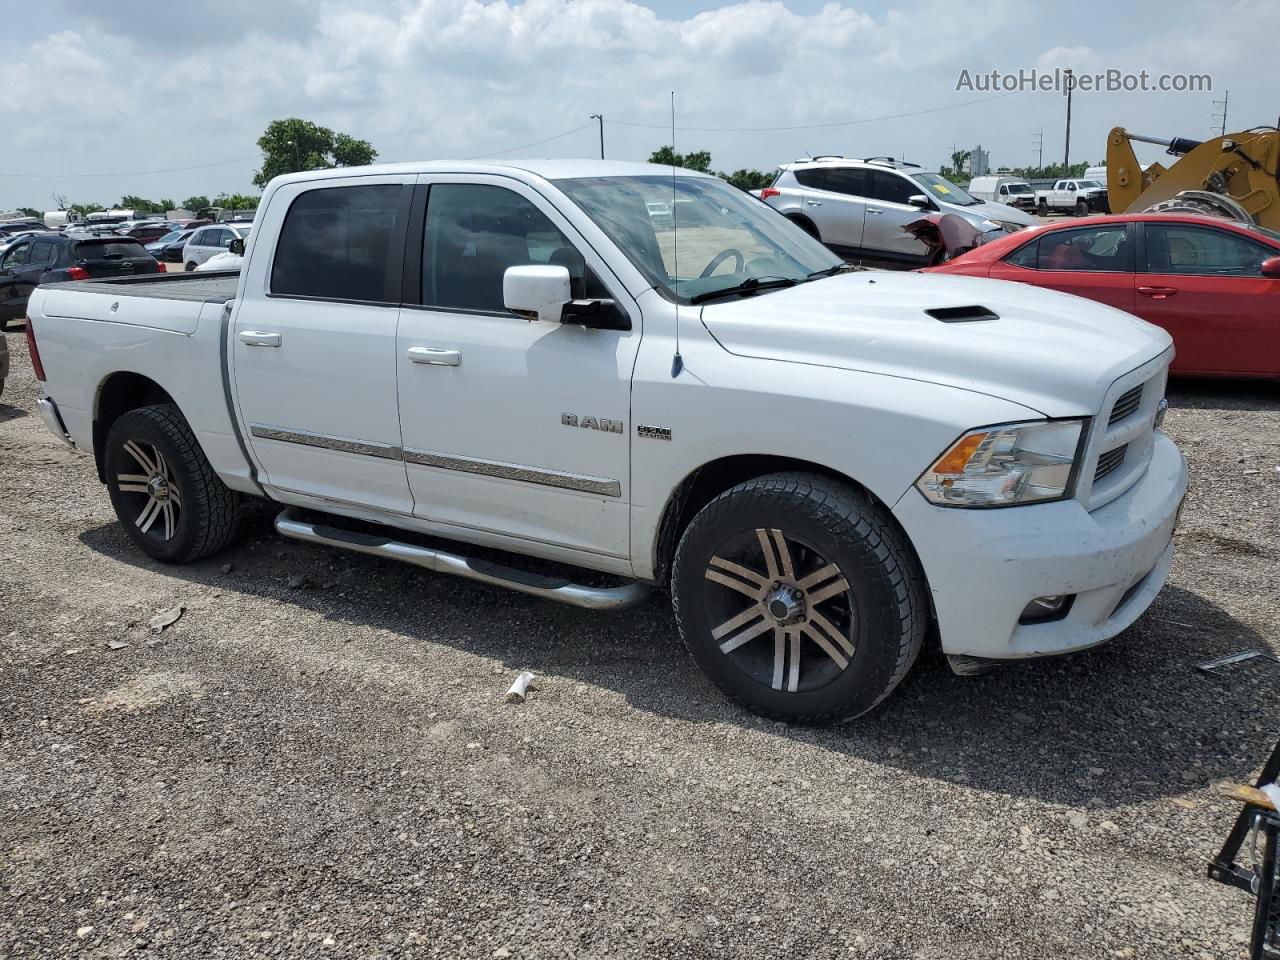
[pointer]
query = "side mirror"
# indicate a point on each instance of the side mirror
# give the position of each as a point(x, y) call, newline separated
point(919, 200)
point(536, 291)
point(1271, 268)
point(236, 246)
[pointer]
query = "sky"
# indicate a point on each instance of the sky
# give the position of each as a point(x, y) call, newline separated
point(168, 100)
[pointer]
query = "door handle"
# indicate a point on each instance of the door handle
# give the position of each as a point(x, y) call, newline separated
point(259, 338)
point(814, 203)
point(1158, 293)
point(875, 213)
point(436, 356)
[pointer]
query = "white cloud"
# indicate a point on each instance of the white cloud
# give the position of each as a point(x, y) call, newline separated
point(437, 78)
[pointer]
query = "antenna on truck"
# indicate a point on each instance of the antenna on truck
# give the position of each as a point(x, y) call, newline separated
point(677, 361)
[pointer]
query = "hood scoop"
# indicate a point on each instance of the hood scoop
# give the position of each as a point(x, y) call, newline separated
point(962, 314)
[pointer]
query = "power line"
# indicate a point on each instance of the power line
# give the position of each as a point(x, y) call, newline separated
point(815, 126)
point(526, 146)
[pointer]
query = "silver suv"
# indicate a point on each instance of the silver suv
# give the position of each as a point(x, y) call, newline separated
point(858, 208)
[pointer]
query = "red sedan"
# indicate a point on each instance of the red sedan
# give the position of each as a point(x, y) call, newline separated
point(1213, 284)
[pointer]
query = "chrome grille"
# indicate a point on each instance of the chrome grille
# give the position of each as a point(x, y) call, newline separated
point(1126, 405)
point(1109, 462)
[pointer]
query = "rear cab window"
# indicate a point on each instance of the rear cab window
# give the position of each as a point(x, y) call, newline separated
point(336, 242)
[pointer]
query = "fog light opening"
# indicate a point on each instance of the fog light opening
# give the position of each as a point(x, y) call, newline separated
point(1047, 609)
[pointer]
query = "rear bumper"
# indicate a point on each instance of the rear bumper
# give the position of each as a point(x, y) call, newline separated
point(985, 566)
point(48, 411)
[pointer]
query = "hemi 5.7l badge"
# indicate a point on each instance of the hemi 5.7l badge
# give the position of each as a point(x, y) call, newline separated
point(591, 423)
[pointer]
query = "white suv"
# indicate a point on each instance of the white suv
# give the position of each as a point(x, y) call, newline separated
point(211, 240)
point(859, 208)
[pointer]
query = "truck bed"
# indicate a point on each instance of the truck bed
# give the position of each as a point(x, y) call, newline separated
point(213, 286)
point(172, 302)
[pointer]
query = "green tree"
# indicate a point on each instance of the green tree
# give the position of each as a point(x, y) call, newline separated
point(196, 204)
point(699, 160)
point(84, 209)
point(141, 204)
point(748, 179)
point(294, 144)
point(1052, 171)
point(236, 201)
point(29, 212)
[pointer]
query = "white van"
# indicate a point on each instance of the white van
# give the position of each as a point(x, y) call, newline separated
point(1014, 191)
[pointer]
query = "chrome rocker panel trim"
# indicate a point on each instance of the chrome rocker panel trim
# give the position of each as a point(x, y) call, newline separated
point(288, 524)
point(601, 486)
point(341, 444)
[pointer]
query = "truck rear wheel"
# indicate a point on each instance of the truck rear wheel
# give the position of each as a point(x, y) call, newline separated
point(169, 500)
point(1042, 207)
point(799, 598)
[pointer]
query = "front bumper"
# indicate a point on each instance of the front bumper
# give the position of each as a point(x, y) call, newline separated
point(985, 566)
point(48, 411)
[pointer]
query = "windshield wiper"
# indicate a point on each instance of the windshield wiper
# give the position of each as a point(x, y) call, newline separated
point(832, 271)
point(750, 285)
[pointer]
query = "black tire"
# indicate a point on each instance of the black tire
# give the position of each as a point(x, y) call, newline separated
point(782, 670)
point(192, 513)
point(190, 267)
point(1082, 209)
point(1042, 207)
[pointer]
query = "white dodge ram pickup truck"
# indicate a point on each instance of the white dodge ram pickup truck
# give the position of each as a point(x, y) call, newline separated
point(522, 357)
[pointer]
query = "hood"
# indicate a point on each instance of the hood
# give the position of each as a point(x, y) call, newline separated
point(1001, 211)
point(1049, 351)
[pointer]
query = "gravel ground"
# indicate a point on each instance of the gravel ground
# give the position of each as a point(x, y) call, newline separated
point(328, 767)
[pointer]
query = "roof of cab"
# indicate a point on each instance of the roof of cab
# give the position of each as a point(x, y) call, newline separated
point(547, 169)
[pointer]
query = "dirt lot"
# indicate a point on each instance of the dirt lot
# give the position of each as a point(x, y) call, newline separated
point(327, 767)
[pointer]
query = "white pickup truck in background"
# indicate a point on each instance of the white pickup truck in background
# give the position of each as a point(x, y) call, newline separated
point(1079, 197)
point(522, 357)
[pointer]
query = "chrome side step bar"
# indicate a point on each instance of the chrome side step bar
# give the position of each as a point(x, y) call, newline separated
point(486, 571)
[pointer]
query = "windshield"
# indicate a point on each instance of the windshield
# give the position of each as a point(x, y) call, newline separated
point(1019, 188)
point(1090, 185)
point(725, 237)
point(943, 189)
point(169, 237)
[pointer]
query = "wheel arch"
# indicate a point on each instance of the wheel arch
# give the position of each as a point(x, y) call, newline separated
point(119, 393)
point(706, 482)
point(805, 224)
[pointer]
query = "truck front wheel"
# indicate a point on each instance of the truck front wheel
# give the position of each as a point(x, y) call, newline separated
point(799, 597)
point(169, 500)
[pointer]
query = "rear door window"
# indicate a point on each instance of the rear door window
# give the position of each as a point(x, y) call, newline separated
point(41, 252)
point(1201, 251)
point(336, 244)
point(849, 181)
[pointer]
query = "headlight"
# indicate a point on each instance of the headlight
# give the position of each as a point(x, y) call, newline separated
point(1006, 465)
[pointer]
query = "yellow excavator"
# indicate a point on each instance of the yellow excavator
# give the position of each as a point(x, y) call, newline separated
point(1235, 176)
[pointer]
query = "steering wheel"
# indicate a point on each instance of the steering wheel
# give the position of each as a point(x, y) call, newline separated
point(739, 261)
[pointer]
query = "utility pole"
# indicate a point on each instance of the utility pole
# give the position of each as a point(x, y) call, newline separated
point(600, 117)
point(1226, 95)
point(1066, 150)
point(1038, 143)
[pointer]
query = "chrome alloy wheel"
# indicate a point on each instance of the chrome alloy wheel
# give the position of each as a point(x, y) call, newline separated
point(794, 595)
point(159, 501)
